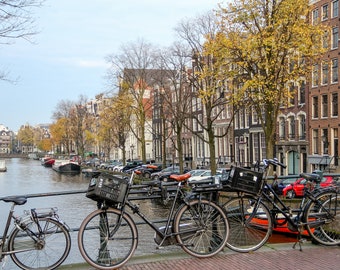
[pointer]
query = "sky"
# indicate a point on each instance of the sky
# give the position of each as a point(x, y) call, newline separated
point(67, 58)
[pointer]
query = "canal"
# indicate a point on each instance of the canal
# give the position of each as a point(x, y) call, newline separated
point(27, 176)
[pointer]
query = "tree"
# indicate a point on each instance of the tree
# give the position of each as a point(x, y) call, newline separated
point(134, 70)
point(26, 136)
point(80, 126)
point(176, 95)
point(60, 136)
point(206, 79)
point(61, 129)
point(16, 22)
point(264, 45)
point(119, 119)
point(45, 144)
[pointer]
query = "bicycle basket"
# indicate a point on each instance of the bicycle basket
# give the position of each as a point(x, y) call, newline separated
point(108, 187)
point(245, 180)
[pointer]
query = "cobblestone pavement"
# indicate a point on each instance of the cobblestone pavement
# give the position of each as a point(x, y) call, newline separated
point(272, 256)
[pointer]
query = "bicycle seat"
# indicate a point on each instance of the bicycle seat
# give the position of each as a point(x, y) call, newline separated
point(311, 177)
point(16, 200)
point(180, 177)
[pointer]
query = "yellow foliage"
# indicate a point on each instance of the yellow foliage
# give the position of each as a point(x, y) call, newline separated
point(262, 48)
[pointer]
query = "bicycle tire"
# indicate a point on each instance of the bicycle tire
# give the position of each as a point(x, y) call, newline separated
point(201, 228)
point(249, 230)
point(48, 252)
point(322, 217)
point(101, 250)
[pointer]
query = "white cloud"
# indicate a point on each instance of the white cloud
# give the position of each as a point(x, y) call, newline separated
point(83, 63)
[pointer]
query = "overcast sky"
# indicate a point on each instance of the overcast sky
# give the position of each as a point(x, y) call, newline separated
point(67, 57)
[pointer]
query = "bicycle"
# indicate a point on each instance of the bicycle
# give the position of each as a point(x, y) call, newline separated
point(39, 239)
point(257, 209)
point(108, 236)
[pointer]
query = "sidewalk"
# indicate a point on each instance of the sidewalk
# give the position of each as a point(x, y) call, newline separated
point(270, 256)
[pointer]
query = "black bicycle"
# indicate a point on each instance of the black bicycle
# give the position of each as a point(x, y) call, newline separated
point(108, 236)
point(257, 209)
point(39, 239)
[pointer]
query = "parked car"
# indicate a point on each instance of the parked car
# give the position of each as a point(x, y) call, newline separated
point(200, 176)
point(132, 164)
point(93, 162)
point(196, 172)
point(146, 170)
point(104, 165)
point(281, 184)
point(222, 174)
point(117, 168)
point(164, 174)
point(296, 189)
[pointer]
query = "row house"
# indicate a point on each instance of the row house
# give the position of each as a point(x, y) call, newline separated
point(6, 138)
point(307, 129)
point(323, 92)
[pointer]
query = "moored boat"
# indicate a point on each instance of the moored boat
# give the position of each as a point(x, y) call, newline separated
point(280, 225)
point(48, 162)
point(66, 166)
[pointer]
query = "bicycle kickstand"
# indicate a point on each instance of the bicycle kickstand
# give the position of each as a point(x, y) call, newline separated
point(300, 240)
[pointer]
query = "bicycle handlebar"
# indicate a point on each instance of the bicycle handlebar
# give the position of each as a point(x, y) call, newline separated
point(274, 162)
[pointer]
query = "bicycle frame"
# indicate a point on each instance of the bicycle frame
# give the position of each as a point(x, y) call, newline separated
point(167, 232)
point(5, 233)
point(164, 232)
point(280, 207)
point(17, 222)
point(33, 236)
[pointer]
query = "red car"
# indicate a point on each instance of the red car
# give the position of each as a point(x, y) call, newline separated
point(296, 189)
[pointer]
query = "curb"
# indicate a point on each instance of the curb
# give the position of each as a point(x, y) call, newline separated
point(181, 255)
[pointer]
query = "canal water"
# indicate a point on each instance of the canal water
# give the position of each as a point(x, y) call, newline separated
point(27, 176)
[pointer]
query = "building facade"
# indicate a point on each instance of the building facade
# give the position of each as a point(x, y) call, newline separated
point(323, 92)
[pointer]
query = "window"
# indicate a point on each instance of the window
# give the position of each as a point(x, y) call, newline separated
point(302, 93)
point(291, 99)
point(282, 129)
point(291, 121)
point(302, 127)
point(334, 70)
point(325, 38)
point(335, 8)
point(335, 37)
point(263, 146)
point(315, 77)
point(325, 12)
point(315, 141)
point(255, 119)
point(241, 119)
point(324, 73)
point(255, 146)
point(324, 106)
point(236, 123)
point(315, 113)
point(325, 142)
point(315, 16)
point(334, 105)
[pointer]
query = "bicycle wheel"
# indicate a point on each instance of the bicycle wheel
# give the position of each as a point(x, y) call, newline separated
point(322, 217)
point(107, 239)
point(201, 227)
point(45, 249)
point(250, 223)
